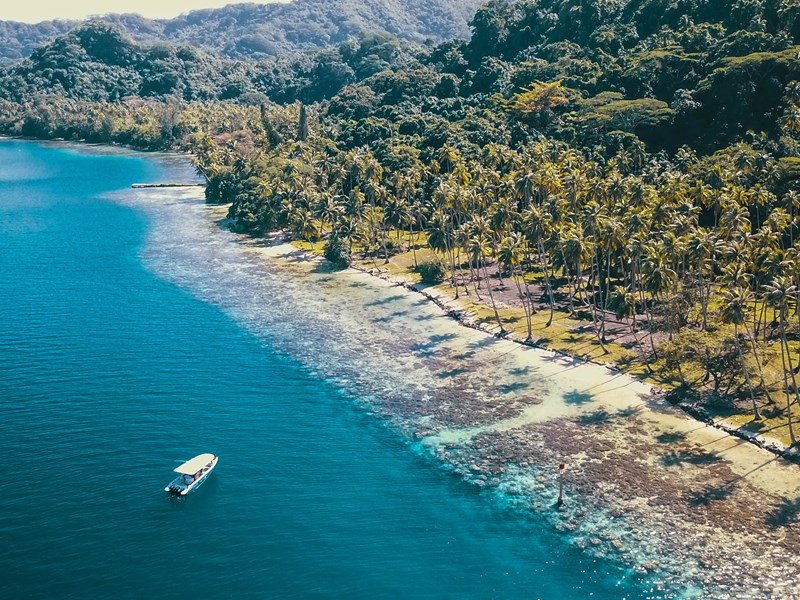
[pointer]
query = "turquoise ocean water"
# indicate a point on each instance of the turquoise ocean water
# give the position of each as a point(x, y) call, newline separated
point(110, 374)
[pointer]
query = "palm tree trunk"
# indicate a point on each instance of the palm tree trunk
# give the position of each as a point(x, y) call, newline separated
point(607, 293)
point(756, 414)
point(681, 375)
point(703, 304)
point(450, 263)
point(597, 330)
point(789, 354)
point(762, 383)
point(412, 244)
point(524, 303)
point(543, 261)
point(638, 343)
point(788, 398)
point(528, 294)
point(458, 263)
point(384, 238)
point(567, 276)
point(474, 277)
point(491, 296)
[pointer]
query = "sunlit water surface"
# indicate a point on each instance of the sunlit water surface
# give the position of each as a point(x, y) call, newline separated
point(133, 335)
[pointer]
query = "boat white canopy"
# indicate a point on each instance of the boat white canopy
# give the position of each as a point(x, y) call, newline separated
point(190, 467)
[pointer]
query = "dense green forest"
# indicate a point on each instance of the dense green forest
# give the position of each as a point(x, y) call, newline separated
point(96, 62)
point(257, 31)
point(617, 179)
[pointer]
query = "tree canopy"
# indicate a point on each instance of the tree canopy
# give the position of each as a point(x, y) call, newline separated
point(627, 171)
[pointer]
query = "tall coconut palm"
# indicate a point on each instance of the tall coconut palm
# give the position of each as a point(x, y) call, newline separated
point(611, 239)
point(328, 209)
point(301, 222)
point(705, 247)
point(461, 239)
point(354, 211)
point(511, 254)
point(624, 302)
point(779, 293)
point(537, 224)
point(480, 248)
point(441, 239)
point(657, 278)
point(734, 312)
point(419, 216)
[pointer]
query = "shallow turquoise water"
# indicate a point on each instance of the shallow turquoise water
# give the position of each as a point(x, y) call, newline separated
point(110, 374)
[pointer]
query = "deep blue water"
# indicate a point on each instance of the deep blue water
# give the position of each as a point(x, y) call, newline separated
point(109, 375)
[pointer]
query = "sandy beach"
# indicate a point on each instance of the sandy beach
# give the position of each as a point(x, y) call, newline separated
point(686, 506)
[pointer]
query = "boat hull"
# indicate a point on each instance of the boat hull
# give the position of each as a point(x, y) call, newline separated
point(179, 486)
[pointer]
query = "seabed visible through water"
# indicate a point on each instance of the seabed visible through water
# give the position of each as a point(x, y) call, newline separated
point(686, 507)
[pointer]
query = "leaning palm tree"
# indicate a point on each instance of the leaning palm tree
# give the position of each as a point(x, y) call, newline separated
point(511, 254)
point(657, 278)
point(479, 248)
point(301, 222)
point(735, 312)
point(624, 303)
point(779, 294)
point(537, 223)
point(328, 209)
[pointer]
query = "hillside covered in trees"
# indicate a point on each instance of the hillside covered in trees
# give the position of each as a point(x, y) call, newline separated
point(254, 31)
point(96, 62)
point(617, 179)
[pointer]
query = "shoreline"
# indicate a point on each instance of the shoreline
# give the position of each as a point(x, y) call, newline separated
point(648, 484)
point(459, 314)
point(721, 509)
point(766, 442)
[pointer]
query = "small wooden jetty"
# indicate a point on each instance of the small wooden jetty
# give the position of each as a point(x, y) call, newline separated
point(166, 185)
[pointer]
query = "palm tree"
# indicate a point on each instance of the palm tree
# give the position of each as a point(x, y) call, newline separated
point(624, 301)
point(558, 235)
point(705, 246)
point(328, 209)
point(354, 210)
point(441, 239)
point(779, 294)
point(301, 221)
point(393, 211)
point(657, 278)
point(461, 239)
point(479, 247)
point(791, 203)
point(611, 238)
point(525, 186)
point(735, 312)
point(511, 254)
point(419, 216)
point(537, 224)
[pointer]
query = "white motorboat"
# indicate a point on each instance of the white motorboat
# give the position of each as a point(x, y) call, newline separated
point(192, 474)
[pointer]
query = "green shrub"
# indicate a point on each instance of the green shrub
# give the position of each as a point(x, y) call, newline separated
point(337, 252)
point(432, 271)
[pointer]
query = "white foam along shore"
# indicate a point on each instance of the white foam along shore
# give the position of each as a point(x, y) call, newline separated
point(663, 489)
